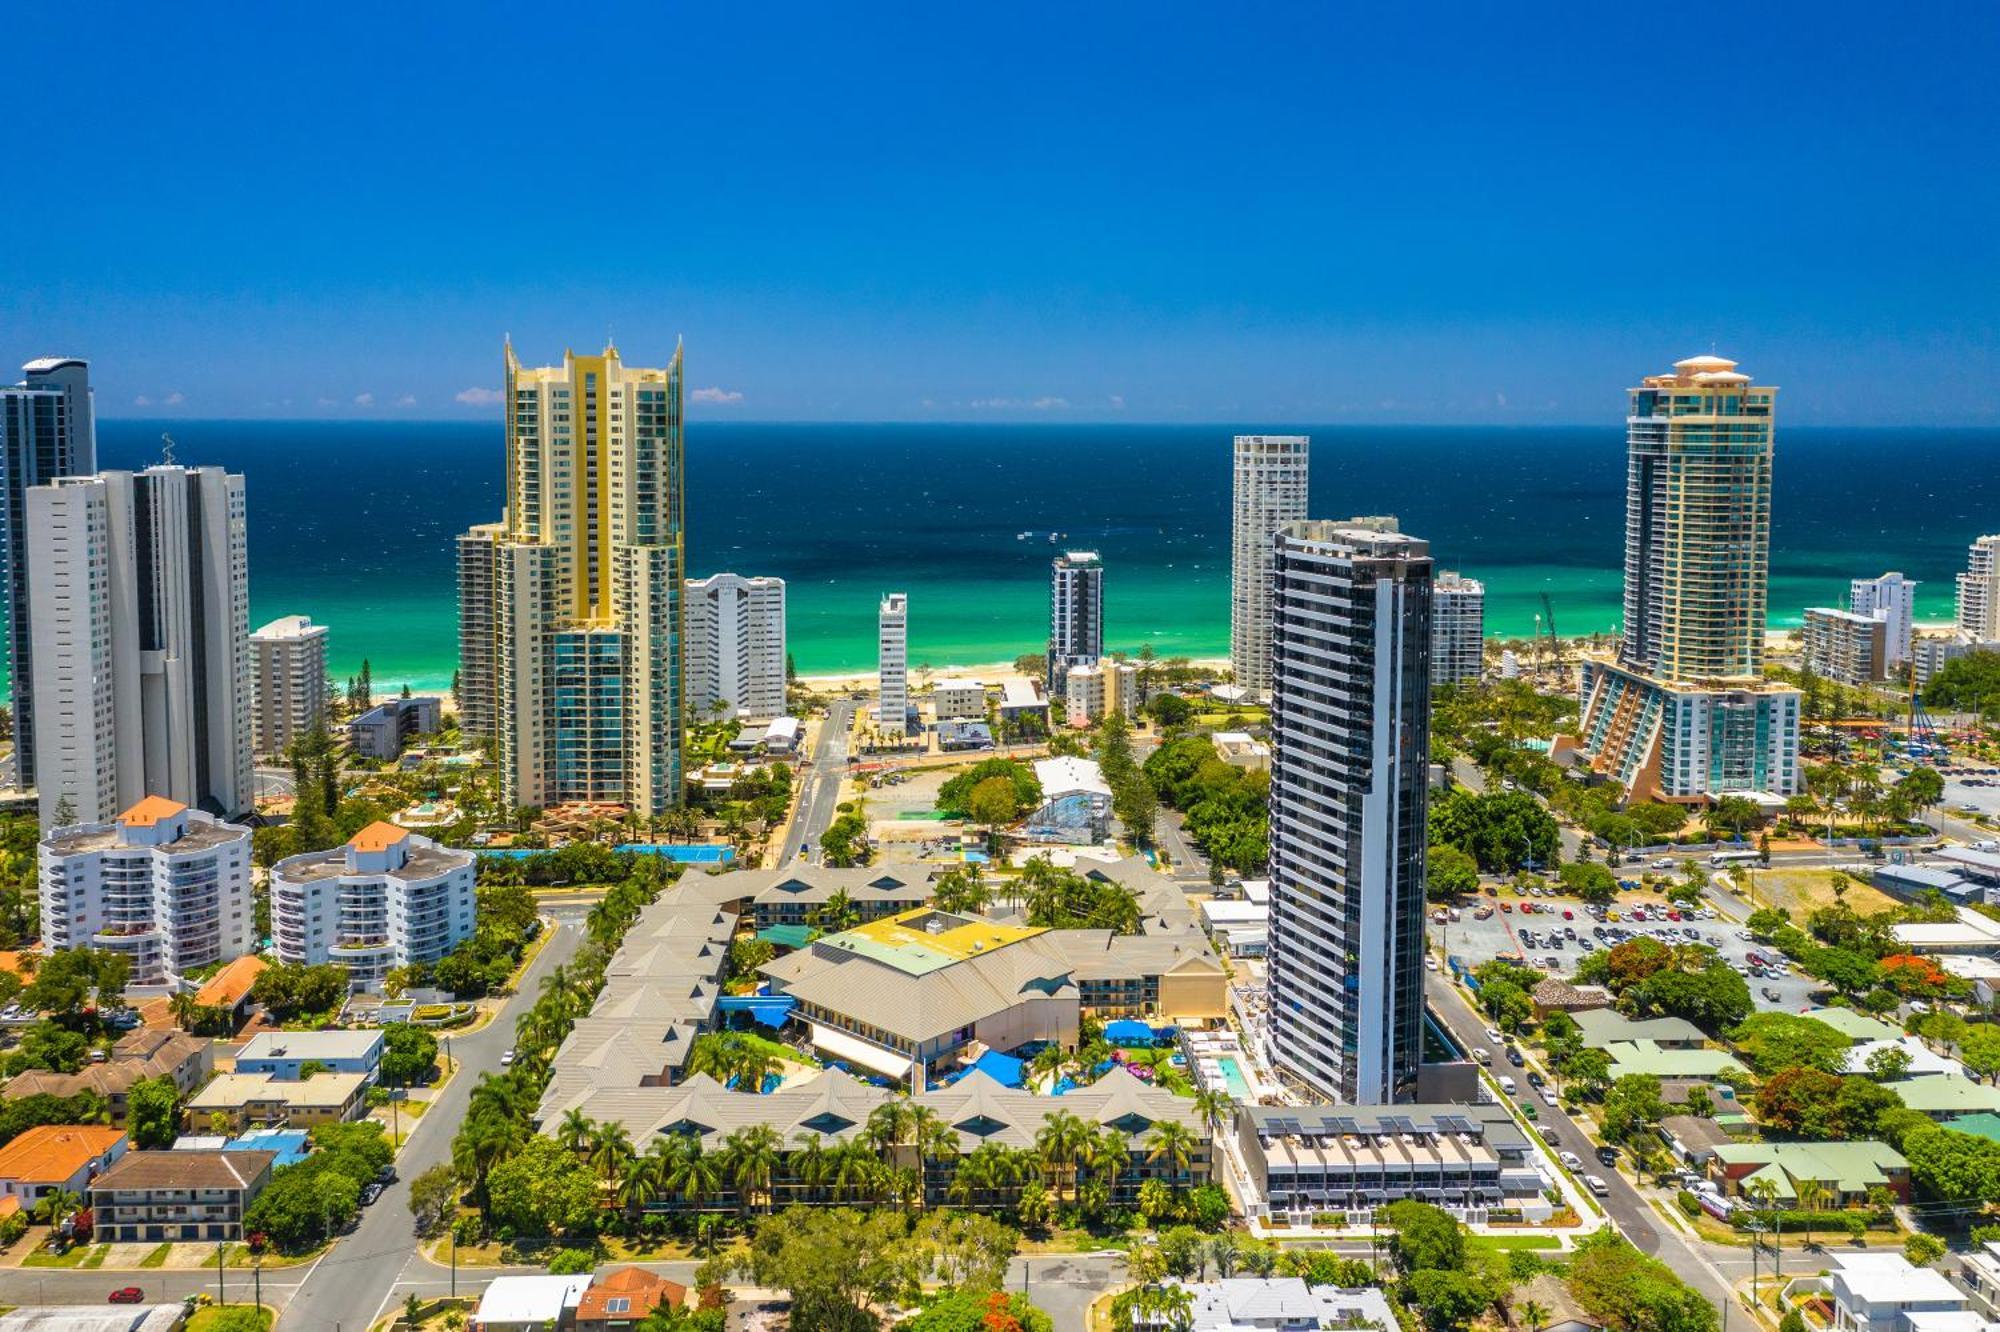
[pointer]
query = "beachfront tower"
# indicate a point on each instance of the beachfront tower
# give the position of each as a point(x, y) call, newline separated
point(892, 670)
point(139, 603)
point(570, 607)
point(1684, 712)
point(1458, 629)
point(1269, 490)
point(1350, 758)
point(1076, 615)
point(48, 429)
point(288, 674)
point(1891, 599)
point(1979, 591)
point(735, 647)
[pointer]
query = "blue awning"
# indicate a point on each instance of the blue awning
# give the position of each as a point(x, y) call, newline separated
point(1125, 1031)
point(770, 1010)
point(1003, 1069)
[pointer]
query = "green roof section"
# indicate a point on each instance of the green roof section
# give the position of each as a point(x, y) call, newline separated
point(1850, 1167)
point(1943, 1094)
point(1856, 1027)
point(1630, 1057)
point(1979, 1126)
point(787, 936)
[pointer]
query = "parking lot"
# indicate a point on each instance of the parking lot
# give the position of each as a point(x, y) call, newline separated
point(1475, 940)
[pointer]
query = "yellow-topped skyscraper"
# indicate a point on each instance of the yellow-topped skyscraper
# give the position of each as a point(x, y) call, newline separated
point(1684, 712)
point(570, 613)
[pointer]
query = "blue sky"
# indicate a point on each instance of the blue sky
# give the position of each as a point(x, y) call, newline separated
point(1252, 214)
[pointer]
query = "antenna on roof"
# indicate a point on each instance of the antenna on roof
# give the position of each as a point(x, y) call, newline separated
point(166, 448)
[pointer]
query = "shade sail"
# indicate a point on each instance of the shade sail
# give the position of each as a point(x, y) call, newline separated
point(857, 1051)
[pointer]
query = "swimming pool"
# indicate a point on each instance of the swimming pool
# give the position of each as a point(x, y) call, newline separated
point(1232, 1078)
point(686, 855)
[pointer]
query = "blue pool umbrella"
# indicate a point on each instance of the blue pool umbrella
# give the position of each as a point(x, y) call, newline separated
point(1125, 1031)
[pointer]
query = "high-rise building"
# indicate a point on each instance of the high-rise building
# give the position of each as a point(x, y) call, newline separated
point(570, 608)
point(139, 603)
point(1350, 742)
point(1076, 614)
point(736, 646)
point(1846, 647)
point(48, 428)
point(1684, 712)
point(1979, 591)
point(1458, 629)
point(387, 899)
point(1891, 599)
point(288, 680)
point(892, 679)
point(165, 886)
point(1268, 491)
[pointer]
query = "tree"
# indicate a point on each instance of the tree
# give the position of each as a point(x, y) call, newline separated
point(433, 1195)
point(153, 1112)
point(1967, 683)
point(993, 802)
point(1979, 1048)
point(68, 983)
point(1446, 1298)
point(1426, 1237)
point(1632, 1106)
point(1799, 1101)
point(1451, 873)
point(541, 1190)
point(1888, 1063)
point(1502, 831)
point(1631, 1292)
point(1921, 1250)
point(1774, 1042)
point(1590, 882)
point(1952, 1166)
point(409, 1055)
point(974, 1310)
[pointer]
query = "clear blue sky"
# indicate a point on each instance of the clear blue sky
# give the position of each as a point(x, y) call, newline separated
point(1250, 214)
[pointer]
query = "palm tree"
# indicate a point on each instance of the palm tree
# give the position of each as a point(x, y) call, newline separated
point(1213, 1105)
point(1533, 1316)
point(185, 1008)
point(695, 1175)
point(809, 1161)
point(1049, 1062)
point(1061, 1138)
point(1812, 1196)
point(1173, 1145)
point(853, 1170)
point(750, 1155)
point(887, 1127)
point(610, 1152)
point(1226, 1249)
point(577, 1131)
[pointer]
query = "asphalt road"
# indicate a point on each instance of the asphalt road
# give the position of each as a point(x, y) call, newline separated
point(1633, 1216)
point(353, 1283)
point(820, 781)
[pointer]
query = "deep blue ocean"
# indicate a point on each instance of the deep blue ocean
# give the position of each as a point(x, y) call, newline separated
point(352, 523)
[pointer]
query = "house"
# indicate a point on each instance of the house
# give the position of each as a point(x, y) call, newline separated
point(1076, 802)
point(245, 1100)
point(528, 1303)
point(151, 1197)
point(1693, 1139)
point(284, 1054)
point(1878, 1292)
point(1558, 1309)
point(1275, 1304)
point(617, 1300)
point(1855, 1026)
point(1979, 1273)
point(57, 1158)
point(1922, 1061)
point(1240, 749)
point(1945, 1097)
point(1846, 1171)
point(1601, 1028)
point(1556, 995)
point(1970, 934)
point(145, 1053)
point(1655, 1060)
point(229, 988)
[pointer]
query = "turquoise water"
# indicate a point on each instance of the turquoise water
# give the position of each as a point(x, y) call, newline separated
point(1232, 1078)
point(352, 522)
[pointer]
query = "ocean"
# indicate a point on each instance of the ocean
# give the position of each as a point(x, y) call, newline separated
point(352, 523)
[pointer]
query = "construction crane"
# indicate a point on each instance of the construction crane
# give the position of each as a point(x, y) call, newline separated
point(1555, 643)
point(1922, 738)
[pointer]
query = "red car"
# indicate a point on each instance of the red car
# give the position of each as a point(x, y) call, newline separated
point(128, 1295)
point(1673, 915)
point(1569, 915)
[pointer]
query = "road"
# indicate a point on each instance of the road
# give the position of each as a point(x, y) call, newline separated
point(350, 1286)
point(1633, 1216)
point(820, 781)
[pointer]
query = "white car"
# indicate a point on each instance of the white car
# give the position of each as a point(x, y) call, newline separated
point(1482, 1055)
point(506, 1059)
point(1430, 962)
point(1570, 1160)
point(1493, 1035)
point(1596, 1184)
point(1662, 863)
point(1745, 935)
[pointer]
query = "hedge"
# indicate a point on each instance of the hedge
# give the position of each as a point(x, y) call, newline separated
point(1744, 1217)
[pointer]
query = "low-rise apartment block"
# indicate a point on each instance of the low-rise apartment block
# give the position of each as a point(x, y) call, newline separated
point(1843, 646)
point(288, 682)
point(954, 699)
point(147, 1053)
point(387, 899)
point(1100, 688)
point(165, 886)
point(383, 730)
point(258, 1100)
point(285, 1054)
point(154, 1197)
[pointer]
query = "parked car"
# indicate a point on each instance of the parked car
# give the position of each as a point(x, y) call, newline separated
point(1596, 1184)
point(506, 1059)
point(370, 1192)
point(1770, 995)
point(1607, 1155)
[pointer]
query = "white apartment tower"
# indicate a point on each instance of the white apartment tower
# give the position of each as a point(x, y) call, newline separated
point(288, 680)
point(1891, 599)
point(1458, 629)
point(139, 603)
point(164, 885)
point(1979, 591)
point(892, 646)
point(387, 899)
point(736, 646)
point(570, 608)
point(1268, 491)
point(48, 428)
point(1350, 759)
point(1076, 615)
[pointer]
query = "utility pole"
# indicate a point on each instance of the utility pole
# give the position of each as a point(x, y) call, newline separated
point(221, 1295)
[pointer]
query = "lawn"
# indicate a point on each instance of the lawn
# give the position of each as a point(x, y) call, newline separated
point(235, 1318)
point(1505, 1243)
point(84, 1256)
point(1802, 891)
point(158, 1257)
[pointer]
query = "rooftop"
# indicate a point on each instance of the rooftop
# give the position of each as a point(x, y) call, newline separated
point(234, 1091)
point(922, 941)
point(227, 987)
point(1890, 1278)
point(54, 1153)
point(290, 626)
point(150, 811)
point(185, 1170)
point(1600, 1028)
point(378, 836)
point(95, 1318)
point(310, 1045)
point(1063, 776)
point(529, 1299)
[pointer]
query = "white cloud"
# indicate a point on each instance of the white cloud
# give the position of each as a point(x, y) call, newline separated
point(1117, 402)
point(722, 396)
point(326, 402)
point(142, 401)
point(364, 400)
point(478, 397)
point(1499, 400)
point(174, 399)
point(1042, 404)
point(407, 400)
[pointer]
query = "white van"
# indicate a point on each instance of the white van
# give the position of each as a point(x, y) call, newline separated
point(1507, 1084)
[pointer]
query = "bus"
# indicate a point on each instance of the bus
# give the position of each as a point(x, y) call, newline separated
point(1722, 858)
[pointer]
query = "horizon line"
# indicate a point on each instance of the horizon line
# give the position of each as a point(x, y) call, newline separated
point(1043, 421)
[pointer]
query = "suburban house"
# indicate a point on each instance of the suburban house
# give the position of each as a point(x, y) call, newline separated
point(1883, 1292)
point(619, 1299)
point(284, 1054)
point(1275, 1304)
point(1559, 1310)
point(1846, 1171)
point(529, 1303)
point(152, 1197)
point(57, 1158)
point(1602, 1028)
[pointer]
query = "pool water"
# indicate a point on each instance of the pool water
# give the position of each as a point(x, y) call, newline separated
point(1233, 1080)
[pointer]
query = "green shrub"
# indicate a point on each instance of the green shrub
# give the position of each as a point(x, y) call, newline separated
point(1688, 1203)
